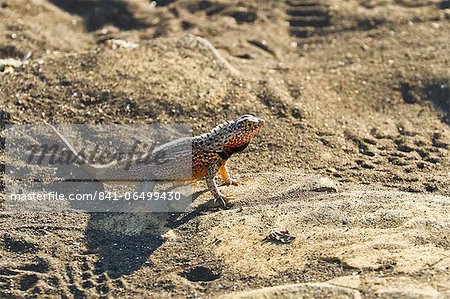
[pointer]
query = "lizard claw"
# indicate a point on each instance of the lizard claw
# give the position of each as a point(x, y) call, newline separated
point(239, 182)
point(234, 183)
point(220, 199)
point(224, 199)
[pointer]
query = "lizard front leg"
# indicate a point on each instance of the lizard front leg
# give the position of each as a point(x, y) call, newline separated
point(211, 183)
point(225, 174)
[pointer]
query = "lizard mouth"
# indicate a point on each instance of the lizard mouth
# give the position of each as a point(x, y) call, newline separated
point(262, 122)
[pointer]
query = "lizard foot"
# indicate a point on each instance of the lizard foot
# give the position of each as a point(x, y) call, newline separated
point(224, 199)
point(238, 182)
point(234, 183)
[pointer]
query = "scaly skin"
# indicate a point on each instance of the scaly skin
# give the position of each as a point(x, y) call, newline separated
point(210, 152)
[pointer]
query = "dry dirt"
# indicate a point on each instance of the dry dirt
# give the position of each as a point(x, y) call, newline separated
point(354, 159)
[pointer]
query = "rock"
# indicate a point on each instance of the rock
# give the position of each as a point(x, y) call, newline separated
point(169, 235)
point(402, 287)
point(350, 281)
point(120, 43)
point(322, 184)
point(408, 292)
point(9, 64)
point(302, 290)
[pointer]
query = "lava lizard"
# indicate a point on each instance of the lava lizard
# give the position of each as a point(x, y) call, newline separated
point(210, 152)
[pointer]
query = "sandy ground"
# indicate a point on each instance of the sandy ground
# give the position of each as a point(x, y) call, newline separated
point(354, 159)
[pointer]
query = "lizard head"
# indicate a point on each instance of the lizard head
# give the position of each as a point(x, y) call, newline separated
point(240, 132)
point(232, 136)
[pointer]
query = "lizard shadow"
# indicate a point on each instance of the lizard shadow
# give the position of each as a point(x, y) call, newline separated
point(124, 241)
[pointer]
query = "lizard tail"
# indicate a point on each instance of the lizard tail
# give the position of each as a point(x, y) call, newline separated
point(83, 163)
